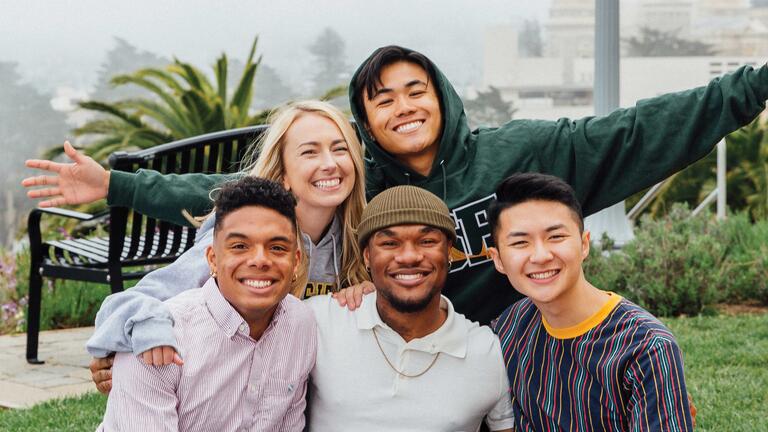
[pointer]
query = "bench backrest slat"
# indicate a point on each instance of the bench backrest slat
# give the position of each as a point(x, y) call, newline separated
point(149, 238)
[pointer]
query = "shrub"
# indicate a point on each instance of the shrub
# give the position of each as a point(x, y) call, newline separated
point(65, 304)
point(745, 272)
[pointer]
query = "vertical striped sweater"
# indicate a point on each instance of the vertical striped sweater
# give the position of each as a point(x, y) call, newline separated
point(620, 369)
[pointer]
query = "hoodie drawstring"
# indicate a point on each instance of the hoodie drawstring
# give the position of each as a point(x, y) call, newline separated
point(335, 263)
point(445, 181)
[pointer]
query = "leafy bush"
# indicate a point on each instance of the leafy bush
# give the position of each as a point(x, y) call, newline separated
point(65, 304)
point(681, 265)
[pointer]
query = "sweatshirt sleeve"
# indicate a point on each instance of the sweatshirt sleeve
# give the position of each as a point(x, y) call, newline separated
point(164, 196)
point(137, 319)
point(607, 159)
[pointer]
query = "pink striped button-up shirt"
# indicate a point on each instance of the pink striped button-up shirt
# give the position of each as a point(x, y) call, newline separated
point(229, 381)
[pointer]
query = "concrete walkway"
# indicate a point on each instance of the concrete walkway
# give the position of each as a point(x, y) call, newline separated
point(65, 372)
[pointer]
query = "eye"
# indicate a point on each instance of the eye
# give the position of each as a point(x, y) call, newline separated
point(558, 237)
point(384, 102)
point(238, 246)
point(388, 243)
point(279, 248)
point(308, 152)
point(341, 148)
point(418, 93)
point(429, 241)
point(519, 244)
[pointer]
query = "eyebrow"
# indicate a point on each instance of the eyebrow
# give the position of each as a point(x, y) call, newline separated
point(407, 85)
point(315, 143)
point(523, 233)
point(386, 232)
point(237, 235)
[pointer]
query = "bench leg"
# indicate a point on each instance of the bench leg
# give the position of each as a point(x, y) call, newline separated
point(33, 314)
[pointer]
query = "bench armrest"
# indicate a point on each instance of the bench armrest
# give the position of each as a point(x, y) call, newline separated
point(65, 213)
point(33, 226)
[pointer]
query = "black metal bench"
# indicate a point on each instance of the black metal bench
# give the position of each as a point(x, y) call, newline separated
point(134, 241)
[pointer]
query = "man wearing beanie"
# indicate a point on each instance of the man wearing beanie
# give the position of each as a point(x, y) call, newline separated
point(405, 360)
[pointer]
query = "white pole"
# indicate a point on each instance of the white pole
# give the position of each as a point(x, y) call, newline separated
point(613, 220)
point(721, 189)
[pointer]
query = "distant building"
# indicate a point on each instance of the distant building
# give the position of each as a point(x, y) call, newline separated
point(550, 88)
point(570, 29)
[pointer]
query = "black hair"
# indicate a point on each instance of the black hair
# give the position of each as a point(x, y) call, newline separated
point(254, 191)
point(523, 187)
point(368, 80)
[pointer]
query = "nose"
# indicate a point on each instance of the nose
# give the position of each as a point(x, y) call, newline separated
point(404, 106)
point(409, 255)
point(259, 258)
point(541, 253)
point(327, 161)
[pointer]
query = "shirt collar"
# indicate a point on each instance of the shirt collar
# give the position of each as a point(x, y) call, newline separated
point(226, 316)
point(450, 338)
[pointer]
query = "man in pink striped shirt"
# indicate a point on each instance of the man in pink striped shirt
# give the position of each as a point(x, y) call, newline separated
point(247, 346)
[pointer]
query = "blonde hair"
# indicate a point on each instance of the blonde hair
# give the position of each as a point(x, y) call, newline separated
point(266, 160)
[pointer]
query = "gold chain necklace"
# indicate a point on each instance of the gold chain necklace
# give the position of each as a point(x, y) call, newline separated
point(393, 366)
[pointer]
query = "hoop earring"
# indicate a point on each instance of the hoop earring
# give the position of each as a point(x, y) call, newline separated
point(213, 274)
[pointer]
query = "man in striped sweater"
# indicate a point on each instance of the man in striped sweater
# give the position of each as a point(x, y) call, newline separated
point(578, 358)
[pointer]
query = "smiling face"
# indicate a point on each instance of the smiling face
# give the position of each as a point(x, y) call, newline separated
point(404, 115)
point(254, 262)
point(318, 165)
point(540, 249)
point(409, 265)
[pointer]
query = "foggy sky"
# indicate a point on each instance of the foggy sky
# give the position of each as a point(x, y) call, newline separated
point(62, 43)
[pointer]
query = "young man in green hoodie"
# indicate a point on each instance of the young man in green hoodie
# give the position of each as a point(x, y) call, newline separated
point(413, 125)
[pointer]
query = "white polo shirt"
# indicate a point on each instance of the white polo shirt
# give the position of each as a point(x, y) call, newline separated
point(352, 388)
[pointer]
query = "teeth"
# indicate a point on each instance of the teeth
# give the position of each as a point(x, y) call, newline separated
point(327, 183)
point(543, 275)
point(257, 283)
point(409, 126)
point(408, 276)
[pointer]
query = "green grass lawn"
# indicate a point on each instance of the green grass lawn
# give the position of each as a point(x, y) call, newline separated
point(726, 360)
point(726, 369)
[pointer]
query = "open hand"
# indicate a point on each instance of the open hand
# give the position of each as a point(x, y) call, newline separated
point(80, 182)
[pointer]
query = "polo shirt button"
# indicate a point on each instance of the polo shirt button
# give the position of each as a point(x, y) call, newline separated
point(243, 327)
point(252, 388)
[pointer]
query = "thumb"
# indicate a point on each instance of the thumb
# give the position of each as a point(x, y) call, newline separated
point(72, 153)
point(177, 359)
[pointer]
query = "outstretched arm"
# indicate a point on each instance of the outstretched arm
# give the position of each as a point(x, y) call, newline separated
point(606, 159)
point(157, 195)
point(165, 196)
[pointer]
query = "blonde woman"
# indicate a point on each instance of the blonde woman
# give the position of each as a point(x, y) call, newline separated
point(312, 149)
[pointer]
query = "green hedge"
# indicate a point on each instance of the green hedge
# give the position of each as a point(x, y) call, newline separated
point(682, 265)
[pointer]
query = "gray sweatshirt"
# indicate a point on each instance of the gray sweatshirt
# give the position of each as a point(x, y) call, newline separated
point(136, 320)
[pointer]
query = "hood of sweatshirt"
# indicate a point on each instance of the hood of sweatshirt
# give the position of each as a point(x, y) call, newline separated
point(453, 154)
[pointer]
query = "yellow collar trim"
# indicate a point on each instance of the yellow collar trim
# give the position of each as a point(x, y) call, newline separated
point(586, 325)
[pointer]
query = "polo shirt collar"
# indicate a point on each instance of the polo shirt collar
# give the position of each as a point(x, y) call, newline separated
point(229, 320)
point(450, 338)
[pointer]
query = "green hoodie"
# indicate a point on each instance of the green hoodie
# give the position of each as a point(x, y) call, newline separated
point(605, 159)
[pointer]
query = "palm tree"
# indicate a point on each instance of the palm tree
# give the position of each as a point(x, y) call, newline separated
point(184, 103)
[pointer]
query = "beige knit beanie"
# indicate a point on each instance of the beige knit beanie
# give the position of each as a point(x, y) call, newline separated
point(402, 205)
